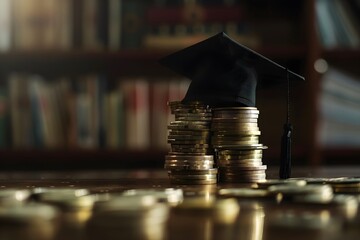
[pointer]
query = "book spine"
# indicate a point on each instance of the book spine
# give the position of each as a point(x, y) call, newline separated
point(20, 111)
point(84, 114)
point(339, 115)
point(91, 19)
point(326, 24)
point(36, 114)
point(348, 22)
point(114, 24)
point(159, 99)
point(64, 25)
point(137, 114)
point(195, 13)
point(103, 23)
point(101, 89)
point(4, 112)
point(78, 19)
point(132, 24)
point(5, 24)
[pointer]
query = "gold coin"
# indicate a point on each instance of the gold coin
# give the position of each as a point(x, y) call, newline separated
point(193, 182)
point(235, 133)
point(236, 152)
point(241, 147)
point(189, 157)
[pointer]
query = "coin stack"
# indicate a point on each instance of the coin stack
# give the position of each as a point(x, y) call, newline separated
point(343, 185)
point(236, 141)
point(191, 159)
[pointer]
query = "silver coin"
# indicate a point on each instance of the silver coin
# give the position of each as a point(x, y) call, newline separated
point(235, 152)
point(241, 147)
point(190, 132)
point(208, 171)
point(244, 169)
point(233, 120)
point(240, 158)
point(179, 114)
point(188, 167)
point(235, 138)
point(235, 133)
point(187, 137)
point(200, 119)
point(190, 157)
point(233, 109)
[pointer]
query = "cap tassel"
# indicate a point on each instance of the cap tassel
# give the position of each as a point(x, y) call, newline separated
point(285, 158)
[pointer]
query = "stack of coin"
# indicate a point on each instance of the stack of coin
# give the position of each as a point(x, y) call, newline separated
point(349, 185)
point(236, 141)
point(191, 159)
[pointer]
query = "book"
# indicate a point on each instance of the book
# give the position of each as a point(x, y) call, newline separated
point(348, 23)
point(114, 109)
point(173, 41)
point(115, 19)
point(339, 103)
point(20, 111)
point(64, 24)
point(175, 26)
point(137, 116)
point(159, 114)
point(85, 118)
point(193, 13)
point(40, 130)
point(47, 112)
point(5, 24)
point(4, 117)
point(336, 135)
point(90, 25)
point(132, 24)
point(337, 23)
point(42, 24)
point(325, 24)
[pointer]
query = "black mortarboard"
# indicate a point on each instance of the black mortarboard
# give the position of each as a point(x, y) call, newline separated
point(224, 72)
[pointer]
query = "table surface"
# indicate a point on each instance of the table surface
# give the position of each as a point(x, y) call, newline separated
point(254, 219)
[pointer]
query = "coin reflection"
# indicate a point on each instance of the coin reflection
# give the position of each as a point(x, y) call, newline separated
point(301, 224)
point(136, 217)
point(203, 218)
point(250, 223)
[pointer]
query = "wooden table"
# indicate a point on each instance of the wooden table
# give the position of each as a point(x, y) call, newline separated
point(255, 218)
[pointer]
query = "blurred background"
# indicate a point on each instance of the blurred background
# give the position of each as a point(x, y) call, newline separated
point(80, 86)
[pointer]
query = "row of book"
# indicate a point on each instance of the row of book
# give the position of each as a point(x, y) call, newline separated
point(339, 103)
point(338, 22)
point(123, 24)
point(88, 112)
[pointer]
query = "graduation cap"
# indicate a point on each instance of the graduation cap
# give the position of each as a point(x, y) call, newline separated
point(225, 73)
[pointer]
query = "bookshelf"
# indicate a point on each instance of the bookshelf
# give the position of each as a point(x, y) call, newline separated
point(339, 144)
point(296, 45)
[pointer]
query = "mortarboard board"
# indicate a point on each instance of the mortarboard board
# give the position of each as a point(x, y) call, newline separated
point(224, 72)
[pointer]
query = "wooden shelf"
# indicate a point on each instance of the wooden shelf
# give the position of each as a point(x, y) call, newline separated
point(121, 63)
point(340, 54)
point(80, 159)
point(341, 156)
point(82, 62)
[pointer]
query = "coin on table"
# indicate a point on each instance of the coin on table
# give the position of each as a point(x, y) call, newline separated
point(272, 182)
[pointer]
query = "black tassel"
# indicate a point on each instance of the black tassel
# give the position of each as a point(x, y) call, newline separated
point(285, 164)
point(285, 158)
